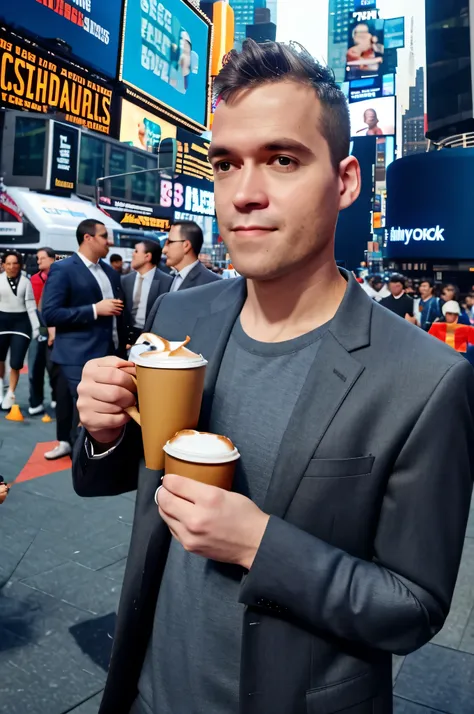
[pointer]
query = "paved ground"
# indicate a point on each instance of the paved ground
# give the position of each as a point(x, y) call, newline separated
point(61, 567)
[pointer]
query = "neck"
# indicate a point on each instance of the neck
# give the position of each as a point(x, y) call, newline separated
point(187, 260)
point(87, 253)
point(145, 268)
point(293, 304)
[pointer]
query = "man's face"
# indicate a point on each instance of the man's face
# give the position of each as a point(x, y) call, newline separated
point(44, 261)
point(277, 193)
point(469, 301)
point(362, 36)
point(426, 291)
point(140, 257)
point(12, 266)
point(117, 265)
point(451, 318)
point(99, 241)
point(370, 118)
point(396, 289)
point(174, 248)
point(448, 293)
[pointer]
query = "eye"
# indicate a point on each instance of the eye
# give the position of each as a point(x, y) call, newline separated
point(284, 162)
point(222, 167)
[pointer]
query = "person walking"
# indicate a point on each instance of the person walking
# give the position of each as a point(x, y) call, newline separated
point(182, 249)
point(38, 355)
point(340, 541)
point(18, 323)
point(398, 301)
point(143, 286)
point(429, 305)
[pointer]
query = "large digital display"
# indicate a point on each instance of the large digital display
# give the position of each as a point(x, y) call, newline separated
point(32, 81)
point(429, 198)
point(365, 52)
point(394, 33)
point(91, 28)
point(373, 117)
point(192, 159)
point(166, 55)
point(143, 129)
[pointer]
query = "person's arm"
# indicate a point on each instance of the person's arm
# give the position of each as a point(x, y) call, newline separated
point(55, 298)
point(30, 304)
point(399, 600)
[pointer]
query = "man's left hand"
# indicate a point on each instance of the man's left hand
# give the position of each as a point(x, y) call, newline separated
point(208, 521)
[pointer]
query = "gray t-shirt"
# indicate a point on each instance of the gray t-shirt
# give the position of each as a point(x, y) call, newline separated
point(192, 663)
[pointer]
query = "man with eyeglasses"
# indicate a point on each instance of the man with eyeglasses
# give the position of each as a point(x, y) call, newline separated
point(182, 250)
point(83, 299)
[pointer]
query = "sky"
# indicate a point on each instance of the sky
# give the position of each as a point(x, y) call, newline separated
point(306, 22)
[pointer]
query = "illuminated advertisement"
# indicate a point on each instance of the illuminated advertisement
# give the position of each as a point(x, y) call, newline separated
point(142, 129)
point(429, 200)
point(370, 88)
point(166, 55)
point(91, 28)
point(192, 159)
point(365, 53)
point(32, 81)
point(63, 158)
point(394, 29)
point(136, 215)
point(373, 117)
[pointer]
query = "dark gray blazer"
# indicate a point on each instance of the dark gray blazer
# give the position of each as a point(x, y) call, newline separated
point(161, 284)
point(199, 275)
point(369, 502)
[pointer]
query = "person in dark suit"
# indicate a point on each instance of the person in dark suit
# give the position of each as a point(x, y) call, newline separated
point(398, 301)
point(83, 300)
point(143, 286)
point(182, 250)
point(340, 541)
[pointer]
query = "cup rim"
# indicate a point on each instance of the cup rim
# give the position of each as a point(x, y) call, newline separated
point(199, 458)
point(173, 363)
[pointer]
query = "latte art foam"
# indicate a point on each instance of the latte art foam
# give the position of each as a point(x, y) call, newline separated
point(202, 447)
point(153, 351)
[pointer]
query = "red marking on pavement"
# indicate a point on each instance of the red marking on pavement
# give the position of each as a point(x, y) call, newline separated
point(37, 465)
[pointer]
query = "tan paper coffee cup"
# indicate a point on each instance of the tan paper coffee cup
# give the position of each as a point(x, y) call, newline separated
point(209, 458)
point(170, 391)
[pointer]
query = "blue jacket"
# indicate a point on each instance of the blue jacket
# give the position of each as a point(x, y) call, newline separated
point(69, 294)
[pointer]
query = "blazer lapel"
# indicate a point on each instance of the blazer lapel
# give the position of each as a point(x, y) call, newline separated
point(154, 293)
point(190, 278)
point(128, 287)
point(332, 376)
point(86, 275)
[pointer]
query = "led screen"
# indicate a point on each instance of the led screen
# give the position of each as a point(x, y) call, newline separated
point(373, 117)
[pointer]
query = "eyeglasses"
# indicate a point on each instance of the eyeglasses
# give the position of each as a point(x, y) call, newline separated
point(181, 240)
point(102, 235)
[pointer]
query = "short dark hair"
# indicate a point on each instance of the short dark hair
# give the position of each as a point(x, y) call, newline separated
point(17, 255)
point(115, 257)
point(153, 247)
point(259, 64)
point(87, 226)
point(457, 292)
point(49, 252)
point(430, 282)
point(397, 278)
point(192, 232)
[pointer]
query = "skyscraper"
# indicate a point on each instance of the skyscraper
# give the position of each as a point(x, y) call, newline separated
point(413, 121)
point(339, 12)
point(244, 11)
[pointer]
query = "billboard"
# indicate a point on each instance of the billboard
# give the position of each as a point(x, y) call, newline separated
point(369, 88)
point(32, 80)
point(373, 117)
point(166, 49)
point(142, 129)
point(429, 206)
point(63, 159)
point(394, 29)
point(192, 159)
point(365, 50)
point(91, 28)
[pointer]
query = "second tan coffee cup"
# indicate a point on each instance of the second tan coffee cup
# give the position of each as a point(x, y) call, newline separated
point(209, 458)
point(169, 397)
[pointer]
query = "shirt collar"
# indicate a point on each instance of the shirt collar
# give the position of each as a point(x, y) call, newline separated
point(88, 263)
point(397, 297)
point(184, 272)
point(150, 275)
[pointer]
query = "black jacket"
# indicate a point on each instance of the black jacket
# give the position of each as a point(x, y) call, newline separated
point(400, 306)
point(361, 553)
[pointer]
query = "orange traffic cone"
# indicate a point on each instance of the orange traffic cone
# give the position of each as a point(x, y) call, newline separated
point(15, 414)
point(46, 419)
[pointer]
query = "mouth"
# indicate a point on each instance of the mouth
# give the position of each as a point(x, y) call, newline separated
point(253, 231)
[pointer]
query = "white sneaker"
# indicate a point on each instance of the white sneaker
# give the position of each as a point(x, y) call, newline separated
point(33, 411)
point(62, 449)
point(8, 400)
point(53, 405)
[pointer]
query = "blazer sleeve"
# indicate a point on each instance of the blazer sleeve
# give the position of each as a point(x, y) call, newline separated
point(399, 600)
point(55, 310)
point(30, 304)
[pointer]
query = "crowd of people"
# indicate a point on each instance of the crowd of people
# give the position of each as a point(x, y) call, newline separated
point(84, 307)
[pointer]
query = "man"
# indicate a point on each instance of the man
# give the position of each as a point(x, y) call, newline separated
point(429, 306)
point(143, 286)
point(398, 302)
point(116, 261)
point(454, 333)
point(341, 539)
point(83, 300)
point(182, 249)
point(38, 358)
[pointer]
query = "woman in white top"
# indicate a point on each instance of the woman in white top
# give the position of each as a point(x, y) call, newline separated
point(18, 322)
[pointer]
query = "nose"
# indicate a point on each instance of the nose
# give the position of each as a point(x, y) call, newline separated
point(250, 193)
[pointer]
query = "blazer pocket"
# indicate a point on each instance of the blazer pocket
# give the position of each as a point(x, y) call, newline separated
point(353, 696)
point(334, 468)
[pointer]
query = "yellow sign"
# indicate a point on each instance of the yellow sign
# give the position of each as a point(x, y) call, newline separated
point(161, 224)
point(31, 80)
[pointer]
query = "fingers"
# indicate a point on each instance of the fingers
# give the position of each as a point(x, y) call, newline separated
point(185, 488)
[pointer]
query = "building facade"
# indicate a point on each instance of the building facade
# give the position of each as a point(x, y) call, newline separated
point(413, 121)
point(339, 12)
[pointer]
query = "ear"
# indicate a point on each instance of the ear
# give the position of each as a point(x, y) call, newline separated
point(349, 182)
point(187, 246)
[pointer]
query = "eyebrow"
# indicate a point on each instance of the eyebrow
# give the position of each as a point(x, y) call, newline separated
point(277, 145)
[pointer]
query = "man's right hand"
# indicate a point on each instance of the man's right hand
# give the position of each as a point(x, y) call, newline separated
point(105, 391)
point(109, 308)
